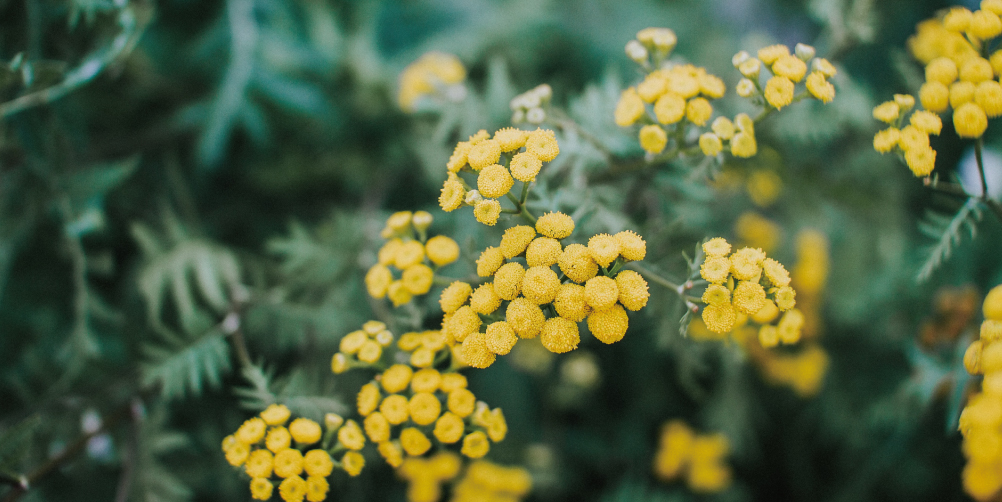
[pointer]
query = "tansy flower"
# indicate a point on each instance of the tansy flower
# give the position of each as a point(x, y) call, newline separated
point(453, 194)
point(957, 19)
point(288, 462)
point(463, 322)
point(414, 442)
point(418, 278)
point(743, 145)
point(497, 427)
point(442, 250)
point(540, 284)
point(483, 154)
point(749, 297)
point(577, 264)
point(292, 489)
point(276, 414)
point(885, 140)
point(775, 272)
point(368, 399)
point(921, 160)
point(261, 488)
point(988, 95)
point(608, 325)
point(461, 402)
point(458, 158)
point(601, 292)
point(717, 246)
point(396, 378)
point(424, 408)
point(371, 351)
point(943, 70)
point(508, 280)
point(487, 211)
point(887, 111)
point(259, 464)
point(790, 325)
point(475, 352)
point(251, 431)
point(820, 88)
point(392, 453)
point(489, 261)
point(716, 294)
point(377, 427)
point(746, 263)
point(278, 439)
point(629, 108)
point(723, 127)
point(525, 166)
point(750, 68)
point(570, 302)
point(976, 70)
point(653, 138)
point(779, 91)
point(711, 86)
point(339, 363)
point(604, 249)
point(237, 453)
point(768, 313)
point(785, 298)
point(559, 335)
point(555, 224)
point(510, 138)
point(715, 269)
point(669, 109)
point(824, 66)
point(631, 246)
point(453, 381)
point(719, 318)
point(449, 428)
point(352, 463)
point(772, 53)
point(395, 409)
point(654, 85)
point(494, 181)
point(746, 88)
point(454, 296)
point(790, 67)
point(516, 239)
point(543, 252)
point(475, 445)
point(350, 435)
point(525, 317)
point(484, 300)
point(710, 144)
point(500, 338)
point(318, 463)
point(426, 380)
point(543, 144)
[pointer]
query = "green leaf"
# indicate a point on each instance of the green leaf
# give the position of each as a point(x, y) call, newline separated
point(948, 232)
point(14, 442)
point(185, 366)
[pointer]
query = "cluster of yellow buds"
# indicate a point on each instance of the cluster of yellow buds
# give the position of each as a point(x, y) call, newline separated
point(266, 448)
point(434, 74)
point(981, 420)
point(498, 161)
point(412, 254)
point(362, 347)
point(489, 482)
point(537, 301)
point(700, 458)
point(787, 70)
point(531, 105)
point(911, 141)
point(738, 286)
point(425, 475)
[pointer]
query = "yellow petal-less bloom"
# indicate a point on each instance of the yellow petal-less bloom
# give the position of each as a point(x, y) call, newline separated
point(339, 363)
point(749, 297)
point(820, 87)
point(991, 308)
point(237, 453)
point(475, 352)
point(414, 442)
point(259, 464)
point(352, 463)
point(746, 263)
point(791, 67)
point(609, 325)
point(934, 96)
point(452, 194)
point(292, 489)
point(396, 378)
point(985, 25)
point(785, 298)
point(426, 380)
point(392, 453)
point(352, 342)
point(288, 463)
point(556, 225)
point(483, 154)
point(928, 122)
point(368, 399)
point(475, 445)
point(540, 284)
point(489, 261)
point(453, 381)
point(508, 280)
point(943, 70)
point(887, 111)
point(710, 144)
point(972, 357)
point(716, 294)
point(371, 351)
point(487, 211)
point(723, 127)
point(824, 66)
point(461, 402)
point(408, 254)
point(276, 414)
point(577, 264)
point(715, 269)
point(442, 250)
point(746, 88)
point(449, 428)
point(962, 92)
point(653, 138)
point(516, 239)
point(454, 296)
point(500, 338)
point(631, 246)
point(560, 335)
point(921, 161)
point(993, 6)
point(395, 409)
point(604, 249)
point(510, 138)
point(317, 487)
point(988, 96)
point(885, 140)
point(767, 313)
point(543, 252)
point(957, 19)
point(494, 181)
point(712, 86)
point(708, 478)
point(418, 279)
point(399, 221)
point(633, 293)
point(976, 70)
point(333, 421)
point(570, 302)
point(424, 408)
point(458, 158)
point(463, 322)
point(261, 488)
point(484, 300)
point(629, 108)
point(772, 53)
point(790, 325)
point(251, 431)
point(278, 439)
point(779, 91)
point(743, 145)
point(525, 317)
point(601, 292)
point(669, 108)
point(717, 246)
point(719, 318)
point(543, 144)
point(653, 86)
point(970, 121)
point(525, 166)
point(317, 463)
point(775, 272)
point(350, 435)
point(497, 426)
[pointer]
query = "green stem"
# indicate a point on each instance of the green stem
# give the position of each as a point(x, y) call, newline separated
point(978, 145)
point(657, 279)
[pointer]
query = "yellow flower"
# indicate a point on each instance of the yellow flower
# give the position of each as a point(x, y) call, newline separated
point(779, 91)
point(278, 439)
point(275, 414)
point(368, 399)
point(972, 357)
point(484, 300)
point(790, 67)
point(350, 434)
point(785, 298)
point(453, 297)
point(631, 246)
point(885, 140)
point(261, 488)
point(475, 352)
point(921, 160)
point(500, 338)
point(449, 428)
point(710, 144)
point(824, 66)
point(772, 53)
point(684, 81)
point(461, 402)
point(790, 325)
point(943, 70)
point(934, 96)
point(601, 292)
point(988, 96)
point(993, 6)
point(237, 453)
point(708, 477)
point(424, 408)
point(516, 239)
point(259, 464)
point(377, 280)
point(317, 463)
point(608, 325)
point(229, 442)
point(540, 284)
point(288, 462)
point(543, 252)
point(717, 246)
point(711, 86)
point(560, 335)
point(629, 108)
point(339, 363)
point(653, 138)
point(426, 380)
point(483, 154)
point(749, 297)
point(489, 261)
point(333, 421)
point(976, 70)
point(497, 426)
point(746, 88)
point(458, 158)
point(743, 145)
point(653, 86)
point(570, 302)
point(662, 39)
point(719, 318)
point(820, 87)
point(392, 453)
point(928, 122)
point(604, 249)
point(543, 144)
point(371, 351)
point(985, 25)
point(957, 19)
point(399, 221)
point(508, 280)
point(962, 92)
point(723, 127)
point(775, 272)
point(577, 264)
point(352, 463)
point(525, 166)
point(442, 250)
point(414, 442)
point(746, 263)
point(463, 322)
point(669, 109)
point(555, 224)
point(991, 331)
point(912, 137)
point(992, 306)
point(453, 194)
point(494, 181)
point(292, 489)
point(487, 211)
point(394, 408)
point(475, 445)
point(408, 254)
point(418, 279)
point(524, 317)
point(423, 357)
point(396, 378)
point(510, 138)
point(716, 294)
point(633, 293)
point(251, 431)
point(453, 381)
point(715, 269)
point(887, 111)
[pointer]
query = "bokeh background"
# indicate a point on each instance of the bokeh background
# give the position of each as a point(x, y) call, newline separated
point(181, 161)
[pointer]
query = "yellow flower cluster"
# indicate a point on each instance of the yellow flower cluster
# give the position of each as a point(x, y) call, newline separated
point(412, 254)
point(511, 154)
point(980, 421)
point(787, 70)
point(488, 482)
point(911, 141)
point(534, 299)
point(425, 476)
point(361, 347)
point(266, 448)
point(433, 74)
point(700, 458)
point(738, 285)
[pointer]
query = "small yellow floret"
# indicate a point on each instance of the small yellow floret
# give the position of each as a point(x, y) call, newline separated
point(261, 488)
point(398, 294)
point(653, 86)
point(976, 70)
point(723, 127)
point(790, 67)
point(934, 96)
point(710, 144)
point(483, 154)
point(458, 158)
point(560, 335)
point(475, 352)
point(508, 280)
point(779, 91)
point(715, 269)
point(276, 414)
point(525, 317)
point(921, 160)
point(577, 263)
point(970, 121)
point(449, 428)
point(500, 338)
point(489, 261)
point(985, 25)
point(942, 69)
point(698, 111)
point(288, 463)
point(885, 140)
point(631, 246)
point(442, 250)
point(928, 122)
point(772, 53)
point(377, 427)
point(962, 92)
point(414, 442)
point(743, 145)
point(820, 87)
point(711, 86)
point(555, 224)
point(418, 278)
point(487, 211)
point(604, 249)
point(543, 252)
point(543, 144)
point(749, 297)
point(988, 96)
point(992, 306)
point(377, 280)
point(475, 445)
point(396, 378)
point(719, 318)
point(601, 292)
point(609, 325)
point(629, 108)
point(912, 138)
point(525, 166)
point(716, 294)
point(424, 408)
point(510, 138)
point(484, 300)
point(669, 108)
point(785, 298)
point(251, 431)
point(887, 111)
point(957, 19)
point(453, 297)
point(494, 181)
point(717, 246)
point(540, 284)
point(516, 239)
point(653, 138)
point(570, 302)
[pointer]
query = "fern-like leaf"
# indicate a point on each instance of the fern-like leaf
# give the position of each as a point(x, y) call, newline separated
point(948, 232)
point(184, 365)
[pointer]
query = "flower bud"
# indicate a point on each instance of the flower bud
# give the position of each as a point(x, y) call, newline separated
point(636, 51)
point(804, 52)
